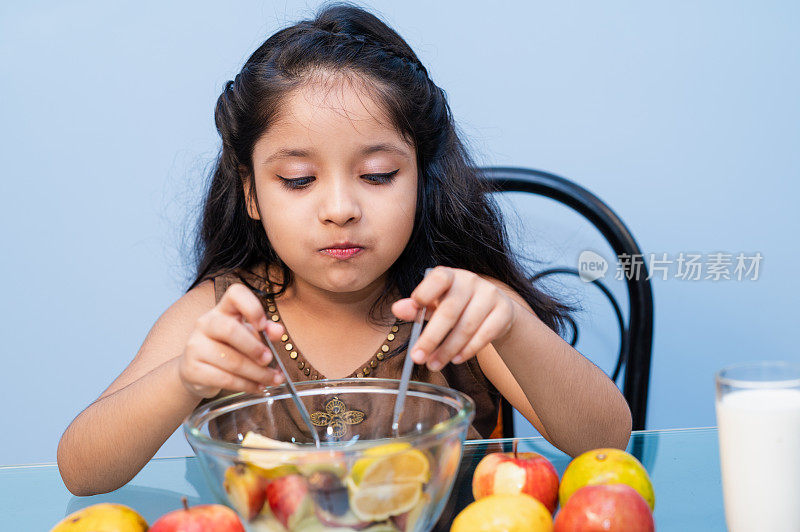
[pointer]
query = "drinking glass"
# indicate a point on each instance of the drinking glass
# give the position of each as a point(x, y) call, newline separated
point(758, 413)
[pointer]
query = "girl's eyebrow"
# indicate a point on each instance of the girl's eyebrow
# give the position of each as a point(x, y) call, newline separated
point(284, 153)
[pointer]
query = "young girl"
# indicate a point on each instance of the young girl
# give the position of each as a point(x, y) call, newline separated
point(340, 180)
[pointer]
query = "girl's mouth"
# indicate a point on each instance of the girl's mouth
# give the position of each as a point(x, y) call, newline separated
point(342, 253)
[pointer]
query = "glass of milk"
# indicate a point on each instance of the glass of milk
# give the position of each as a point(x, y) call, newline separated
point(758, 413)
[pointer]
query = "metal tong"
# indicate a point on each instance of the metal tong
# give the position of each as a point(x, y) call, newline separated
point(408, 365)
point(300, 406)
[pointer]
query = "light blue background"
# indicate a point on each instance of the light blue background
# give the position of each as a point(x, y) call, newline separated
point(684, 116)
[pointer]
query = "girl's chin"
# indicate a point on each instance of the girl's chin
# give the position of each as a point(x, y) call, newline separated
point(342, 278)
point(353, 280)
point(345, 285)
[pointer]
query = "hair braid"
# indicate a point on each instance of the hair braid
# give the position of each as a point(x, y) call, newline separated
point(385, 48)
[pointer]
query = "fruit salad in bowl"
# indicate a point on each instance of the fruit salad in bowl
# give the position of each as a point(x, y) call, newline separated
point(260, 457)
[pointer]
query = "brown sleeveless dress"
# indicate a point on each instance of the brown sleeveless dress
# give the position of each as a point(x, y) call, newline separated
point(466, 377)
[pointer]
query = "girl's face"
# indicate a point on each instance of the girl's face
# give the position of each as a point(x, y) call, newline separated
point(336, 187)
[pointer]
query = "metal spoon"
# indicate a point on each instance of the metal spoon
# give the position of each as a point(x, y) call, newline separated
point(300, 406)
point(408, 365)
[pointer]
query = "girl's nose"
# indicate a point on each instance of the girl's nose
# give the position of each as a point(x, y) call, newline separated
point(339, 204)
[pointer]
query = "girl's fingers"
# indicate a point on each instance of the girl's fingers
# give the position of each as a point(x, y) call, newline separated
point(428, 290)
point(274, 331)
point(492, 327)
point(435, 284)
point(229, 330)
point(468, 324)
point(405, 309)
point(232, 361)
point(220, 378)
point(440, 324)
point(239, 300)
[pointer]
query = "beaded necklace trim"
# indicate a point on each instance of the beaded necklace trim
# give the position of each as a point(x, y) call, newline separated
point(307, 369)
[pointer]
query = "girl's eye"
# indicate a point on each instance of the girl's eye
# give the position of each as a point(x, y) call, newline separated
point(380, 178)
point(303, 182)
point(294, 184)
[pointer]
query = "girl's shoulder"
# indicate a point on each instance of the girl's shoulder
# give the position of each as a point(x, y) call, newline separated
point(190, 306)
point(206, 294)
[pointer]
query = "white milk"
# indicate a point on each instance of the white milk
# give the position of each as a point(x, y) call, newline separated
point(759, 446)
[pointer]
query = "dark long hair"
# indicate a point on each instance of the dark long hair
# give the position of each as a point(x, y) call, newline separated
point(457, 222)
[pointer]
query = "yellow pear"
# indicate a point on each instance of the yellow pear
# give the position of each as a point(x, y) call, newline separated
point(103, 517)
point(504, 513)
point(606, 466)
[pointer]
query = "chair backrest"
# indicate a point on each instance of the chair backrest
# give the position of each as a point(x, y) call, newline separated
point(637, 335)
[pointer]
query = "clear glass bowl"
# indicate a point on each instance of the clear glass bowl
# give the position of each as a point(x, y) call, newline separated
point(360, 478)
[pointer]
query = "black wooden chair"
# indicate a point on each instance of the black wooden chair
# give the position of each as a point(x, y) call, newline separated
point(636, 336)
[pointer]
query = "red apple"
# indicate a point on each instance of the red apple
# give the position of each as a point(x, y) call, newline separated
point(513, 473)
point(289, 500)
point(606, 508)
point(202, 518)
point(246, 489)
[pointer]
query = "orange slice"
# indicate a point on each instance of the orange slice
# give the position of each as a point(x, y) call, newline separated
point(376, 503)
point(389, 464)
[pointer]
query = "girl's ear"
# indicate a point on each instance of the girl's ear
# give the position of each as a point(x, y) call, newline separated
point(250, 201)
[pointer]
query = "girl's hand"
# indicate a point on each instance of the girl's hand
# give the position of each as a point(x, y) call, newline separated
point(465, 312)
point(224, 351)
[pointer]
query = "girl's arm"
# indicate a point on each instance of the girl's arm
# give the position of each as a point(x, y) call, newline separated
point(108, 443)
point(567, 398)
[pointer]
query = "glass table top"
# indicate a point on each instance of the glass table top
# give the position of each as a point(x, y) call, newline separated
point(683, 464)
